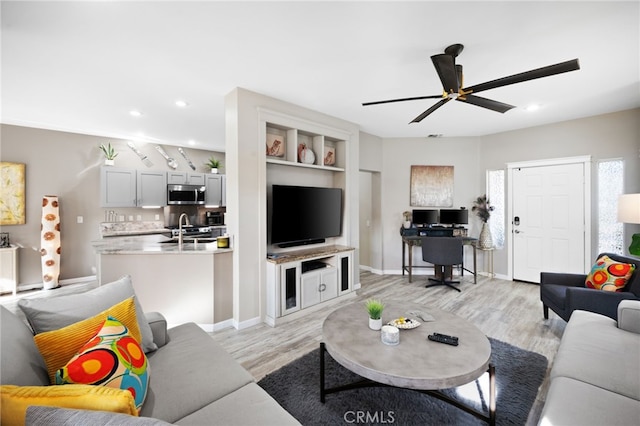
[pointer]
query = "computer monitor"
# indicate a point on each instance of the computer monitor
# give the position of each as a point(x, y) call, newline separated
point(422, 218)
point(454, 216)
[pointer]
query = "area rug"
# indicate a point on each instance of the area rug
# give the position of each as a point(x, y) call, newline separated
point(296, 386)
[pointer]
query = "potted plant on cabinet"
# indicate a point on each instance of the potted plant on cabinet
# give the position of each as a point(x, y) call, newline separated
point(109, 154)
point(213, 164)
point(374, 308)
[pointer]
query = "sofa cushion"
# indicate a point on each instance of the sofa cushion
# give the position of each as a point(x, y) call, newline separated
point(233, 410)
point(190, 372)
point(572, 402)
point(39, 415)
point(609, 275)
point(21, 363)
point(594, 350)
point(629, 315)
point(15, 400)
point(52, 313)
point(111, 358)
point(59, 346)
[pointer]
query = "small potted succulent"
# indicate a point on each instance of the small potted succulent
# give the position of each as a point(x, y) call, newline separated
point(213, 163)
point(374, 308)
point(109, 154)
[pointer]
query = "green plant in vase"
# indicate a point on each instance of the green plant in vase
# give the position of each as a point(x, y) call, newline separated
point(374, 309)
point(214, 164)
point(109, 153)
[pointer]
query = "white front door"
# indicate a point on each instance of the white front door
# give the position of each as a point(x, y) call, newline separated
point(548, 220)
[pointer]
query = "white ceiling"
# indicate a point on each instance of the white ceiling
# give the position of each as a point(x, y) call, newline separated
point(82, 66)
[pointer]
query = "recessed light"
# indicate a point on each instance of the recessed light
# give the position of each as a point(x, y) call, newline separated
point(135, 113)
point(181, 104)
point(192, 142)
point(532, 107)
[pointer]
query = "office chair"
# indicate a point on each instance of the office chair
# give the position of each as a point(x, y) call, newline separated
point(442, 252)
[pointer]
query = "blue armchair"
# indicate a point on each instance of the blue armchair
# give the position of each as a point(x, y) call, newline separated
point(565, 293)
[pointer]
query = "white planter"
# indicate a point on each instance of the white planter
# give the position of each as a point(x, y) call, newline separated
point(214, 170)
point(109, 162)
point(375, 324)
point(406, 224)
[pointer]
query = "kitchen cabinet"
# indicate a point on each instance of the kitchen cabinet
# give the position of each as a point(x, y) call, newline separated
point(216, 190)
point(132, 188)
point(185, 178)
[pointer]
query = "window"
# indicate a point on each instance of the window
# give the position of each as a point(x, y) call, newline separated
point(610, 186)
point(495, 193)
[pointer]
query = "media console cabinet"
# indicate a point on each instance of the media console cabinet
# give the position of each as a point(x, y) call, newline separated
point(303, 280)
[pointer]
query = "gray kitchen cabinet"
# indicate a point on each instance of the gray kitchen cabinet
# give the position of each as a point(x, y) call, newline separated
point(132, 188)
point(216, 192)
point(185, 178)
point(151, 188)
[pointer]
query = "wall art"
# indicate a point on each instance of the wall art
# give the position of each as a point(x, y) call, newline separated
point(431, 186)
point(12, 197)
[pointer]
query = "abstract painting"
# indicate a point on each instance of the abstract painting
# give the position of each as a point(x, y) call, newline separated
point(431, 186)
point(12, 211)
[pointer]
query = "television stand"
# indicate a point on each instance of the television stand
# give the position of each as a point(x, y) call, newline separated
point(302, 281)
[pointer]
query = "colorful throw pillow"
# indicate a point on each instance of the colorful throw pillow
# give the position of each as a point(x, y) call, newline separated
point(15, 400)
point(111, 358)
point(609, 275)
point(58, 346)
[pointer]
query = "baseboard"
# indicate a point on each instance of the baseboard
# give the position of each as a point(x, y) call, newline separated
point(246, 324)
point(69, 281)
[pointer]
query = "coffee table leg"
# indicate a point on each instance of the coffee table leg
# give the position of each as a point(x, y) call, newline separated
point(492, 395)
point(322, 350)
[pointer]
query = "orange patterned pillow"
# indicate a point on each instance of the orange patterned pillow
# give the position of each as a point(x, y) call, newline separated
point(609, 275)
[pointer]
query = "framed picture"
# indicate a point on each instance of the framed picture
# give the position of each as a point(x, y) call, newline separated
point(431, 186)
point(4, 240)
point(329, 156)
point(12, 201)
point(275, 145)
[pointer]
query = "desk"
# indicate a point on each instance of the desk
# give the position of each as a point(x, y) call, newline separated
point(411, 241)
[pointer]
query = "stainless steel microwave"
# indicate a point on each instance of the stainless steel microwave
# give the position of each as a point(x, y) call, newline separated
point(185, 194)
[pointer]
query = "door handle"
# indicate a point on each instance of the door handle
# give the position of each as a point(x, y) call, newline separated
point(517, 231)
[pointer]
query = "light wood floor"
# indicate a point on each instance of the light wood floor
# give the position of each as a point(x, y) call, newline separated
point(505, 310)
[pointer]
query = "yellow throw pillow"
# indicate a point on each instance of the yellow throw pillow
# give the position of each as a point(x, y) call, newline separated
point(14, 400)
point(57, 347)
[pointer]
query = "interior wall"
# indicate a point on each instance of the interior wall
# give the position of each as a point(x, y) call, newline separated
point(608, 136)
point(246, 194)
point(371, 202)
point(398, 155)
point(68, 165)
point(365, 220)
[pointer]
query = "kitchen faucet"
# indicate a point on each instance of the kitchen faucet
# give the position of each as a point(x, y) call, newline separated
point(186, 219)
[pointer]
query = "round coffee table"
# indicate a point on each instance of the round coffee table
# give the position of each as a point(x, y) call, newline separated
point(416, 363)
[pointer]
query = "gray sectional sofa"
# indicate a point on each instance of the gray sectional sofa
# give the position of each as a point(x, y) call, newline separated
point(595, 378)
point(193, 380)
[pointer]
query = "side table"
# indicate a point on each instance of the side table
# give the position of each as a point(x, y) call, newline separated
point(9, 268)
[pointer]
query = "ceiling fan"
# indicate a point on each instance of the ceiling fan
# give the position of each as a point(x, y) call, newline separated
point(450, 75)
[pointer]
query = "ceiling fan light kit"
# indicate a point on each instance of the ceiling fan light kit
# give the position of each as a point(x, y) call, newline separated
point(451, 77)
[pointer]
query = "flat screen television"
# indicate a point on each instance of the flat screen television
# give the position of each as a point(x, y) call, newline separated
point(422, 218)
point(304, 215)
point(454, 216)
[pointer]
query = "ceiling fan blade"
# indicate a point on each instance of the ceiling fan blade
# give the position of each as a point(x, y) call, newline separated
point(486, 103)
point(402, 100)
point(446, 67)
point(547, 71)
point(430, 110)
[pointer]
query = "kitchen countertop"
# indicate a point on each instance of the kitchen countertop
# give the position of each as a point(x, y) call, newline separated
point(153, 244)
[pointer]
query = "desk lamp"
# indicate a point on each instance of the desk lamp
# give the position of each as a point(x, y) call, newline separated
point(629, 212)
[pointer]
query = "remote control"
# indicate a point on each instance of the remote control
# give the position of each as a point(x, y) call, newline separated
point(445, 335)
point(443, 339)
